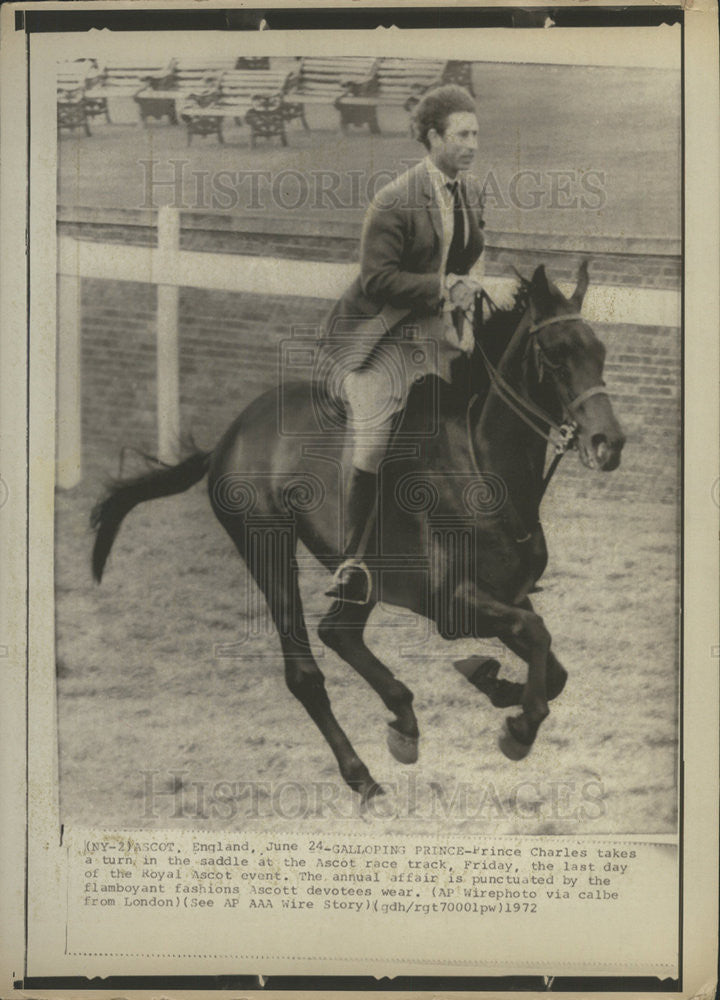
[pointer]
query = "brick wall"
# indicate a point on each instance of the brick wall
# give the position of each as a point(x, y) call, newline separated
point(642, 372)
point(645, 271)
point(228, 354)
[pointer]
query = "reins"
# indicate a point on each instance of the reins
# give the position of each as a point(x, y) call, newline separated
point(526, 409)
point(561, 447)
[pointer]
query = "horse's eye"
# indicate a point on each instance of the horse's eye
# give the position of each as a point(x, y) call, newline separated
point(560, 371)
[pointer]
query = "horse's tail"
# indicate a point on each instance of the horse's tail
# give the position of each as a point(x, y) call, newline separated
point(124, 494)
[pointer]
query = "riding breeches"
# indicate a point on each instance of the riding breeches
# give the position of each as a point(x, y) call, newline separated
point(376, 393)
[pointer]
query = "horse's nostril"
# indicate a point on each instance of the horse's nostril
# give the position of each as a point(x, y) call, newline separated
point(602, 449)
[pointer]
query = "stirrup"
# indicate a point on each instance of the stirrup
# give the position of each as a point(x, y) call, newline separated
point(350, 591)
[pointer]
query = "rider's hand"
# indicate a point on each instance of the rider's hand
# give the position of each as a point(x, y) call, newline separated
point(461, 292)
point(501, 292)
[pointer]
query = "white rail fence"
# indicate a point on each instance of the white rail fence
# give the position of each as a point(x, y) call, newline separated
point(171, 268)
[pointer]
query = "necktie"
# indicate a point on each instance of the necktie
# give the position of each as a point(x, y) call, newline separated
point(456, 252)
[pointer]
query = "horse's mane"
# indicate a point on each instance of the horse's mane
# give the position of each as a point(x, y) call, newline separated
point(494, 327)
point(493, 330)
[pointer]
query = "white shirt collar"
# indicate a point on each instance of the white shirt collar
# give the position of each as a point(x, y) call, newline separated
point(439, 178)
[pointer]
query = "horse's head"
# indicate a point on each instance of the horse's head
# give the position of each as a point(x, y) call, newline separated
point(568, 352)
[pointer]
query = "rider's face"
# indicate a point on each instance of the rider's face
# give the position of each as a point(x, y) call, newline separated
point(455, 149)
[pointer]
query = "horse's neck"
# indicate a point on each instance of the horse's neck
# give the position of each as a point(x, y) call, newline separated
point(504, 443)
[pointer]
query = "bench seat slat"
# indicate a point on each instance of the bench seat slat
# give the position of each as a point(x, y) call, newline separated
point(321, 78)
point(235, 92)
point(297, 98)
point(166, 95)
point(215, 111)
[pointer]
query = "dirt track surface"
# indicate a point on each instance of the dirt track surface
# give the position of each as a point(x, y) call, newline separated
point(150, 702)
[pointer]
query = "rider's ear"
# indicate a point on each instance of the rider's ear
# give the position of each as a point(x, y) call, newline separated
point(433, 135)
point(576, 299)
point(541, 299)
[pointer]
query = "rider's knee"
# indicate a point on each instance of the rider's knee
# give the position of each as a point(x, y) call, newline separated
point(369, 448)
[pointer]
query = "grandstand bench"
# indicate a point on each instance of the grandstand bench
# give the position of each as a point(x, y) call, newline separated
point(399, 83)
point(252, 62)
point(126, 80)
point(266, 119)
point(323, 80)
point(189, 78)
point(74, 80)
point(237, 93)
point(459, 72)
point(71, 110)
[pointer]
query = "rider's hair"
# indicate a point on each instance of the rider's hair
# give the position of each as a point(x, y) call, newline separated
point(436, 107)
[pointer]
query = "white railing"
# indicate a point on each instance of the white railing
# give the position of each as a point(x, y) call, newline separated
point(171, 268)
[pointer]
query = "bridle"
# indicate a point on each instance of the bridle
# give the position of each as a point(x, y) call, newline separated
point(582, 397)
point(562, 435)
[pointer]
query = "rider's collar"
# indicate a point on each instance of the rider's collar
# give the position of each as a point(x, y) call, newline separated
point(438, 176)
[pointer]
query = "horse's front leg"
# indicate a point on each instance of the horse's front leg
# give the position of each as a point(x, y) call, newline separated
point(342, 631)
point(523, 631)
point(556, 673)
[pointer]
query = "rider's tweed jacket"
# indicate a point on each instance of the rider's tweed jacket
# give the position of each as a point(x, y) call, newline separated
point(401, 259)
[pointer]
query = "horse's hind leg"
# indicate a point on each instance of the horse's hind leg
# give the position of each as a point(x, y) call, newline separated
point(307, 683)
point(524, 632)
point(556, 674)
point(278, 579)
point(342, 631)
point(504, 693)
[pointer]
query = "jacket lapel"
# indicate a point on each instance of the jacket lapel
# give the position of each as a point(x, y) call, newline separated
point(475, 242)
point(426, 187)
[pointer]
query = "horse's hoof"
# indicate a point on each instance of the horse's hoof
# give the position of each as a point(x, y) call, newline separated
point(479, 670)
point(370, 791)
point(403, 748)
point(556, 682)
point(482, 672)
point(511, 746)
point(505, 694)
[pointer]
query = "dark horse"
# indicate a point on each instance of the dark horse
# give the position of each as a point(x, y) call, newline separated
point(458, 538)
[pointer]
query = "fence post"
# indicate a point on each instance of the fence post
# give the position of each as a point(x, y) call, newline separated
point(68, 470)
point(168, 355)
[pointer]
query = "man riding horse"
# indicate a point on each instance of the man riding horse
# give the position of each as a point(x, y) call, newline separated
point(468, 551)
point(419, 273)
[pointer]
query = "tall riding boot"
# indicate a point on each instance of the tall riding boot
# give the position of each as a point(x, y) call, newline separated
point(352, 580)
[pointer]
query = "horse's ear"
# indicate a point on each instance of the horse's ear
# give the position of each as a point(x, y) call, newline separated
point(576, 299)
point(541, 299)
